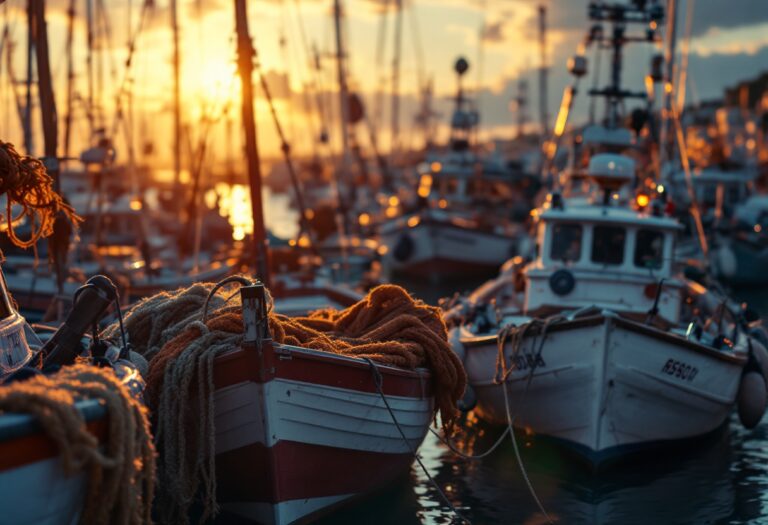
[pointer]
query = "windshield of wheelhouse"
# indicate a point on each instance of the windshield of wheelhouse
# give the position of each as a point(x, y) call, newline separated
point(566, 242)
point(649, 249)
point(608, 245)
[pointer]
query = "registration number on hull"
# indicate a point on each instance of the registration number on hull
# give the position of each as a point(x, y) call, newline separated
point(679, 370)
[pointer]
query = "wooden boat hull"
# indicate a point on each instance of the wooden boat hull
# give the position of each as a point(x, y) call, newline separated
point(33, 486)
point(444, 249)
point(603, 385)
point(299, 432)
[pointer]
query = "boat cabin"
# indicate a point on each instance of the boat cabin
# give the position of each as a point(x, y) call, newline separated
point(604, 253)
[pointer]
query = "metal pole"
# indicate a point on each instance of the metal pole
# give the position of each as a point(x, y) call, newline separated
point(176, 99)
point(245, 55)
point(666, 108)
point(543, 72)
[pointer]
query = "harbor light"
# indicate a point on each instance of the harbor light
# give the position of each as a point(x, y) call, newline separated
point(414, 221)
point(136, 204)
point(643, 200)
point(436, 166)
point(394, 201)
point(364, 219)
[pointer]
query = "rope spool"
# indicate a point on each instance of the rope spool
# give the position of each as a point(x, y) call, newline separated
point(26, 182)
point(121, 471)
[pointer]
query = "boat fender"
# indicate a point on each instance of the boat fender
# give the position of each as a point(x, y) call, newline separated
point(726, 261)
point(761, 356)
point(468, 401)
point(403, 248)
point(759, 334)
point(752, 399)
point(562, 282)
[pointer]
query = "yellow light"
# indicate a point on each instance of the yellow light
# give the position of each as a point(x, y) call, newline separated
point(238, 234)
point(304, 241)
point(660, 188)
point(758, 228)
point(424, 191)
point(394, 201)
point(292, 242)
point(309, 214)
point(436, 166)
point(414, 221)
point(391, 213)
point(364, 219)
point(136, 204)
point(562, 115)
point(668, 87)
point(383, 249)
point(355, 241)
point(442, 203)
point(653, 24)
point(643, 200)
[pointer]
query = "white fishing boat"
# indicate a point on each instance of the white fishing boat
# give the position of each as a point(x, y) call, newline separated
point(281, 409)
point(604, 350)
point(465, 217)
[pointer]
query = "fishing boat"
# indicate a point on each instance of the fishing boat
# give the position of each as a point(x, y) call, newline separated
point(598, 351)
point(281, 409)
point(36, 486)
point(600, 342)
point(462, 220)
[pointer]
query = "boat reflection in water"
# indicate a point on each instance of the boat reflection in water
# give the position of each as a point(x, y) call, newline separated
point(721, 478)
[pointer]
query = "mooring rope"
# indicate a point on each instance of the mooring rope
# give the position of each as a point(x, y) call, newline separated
point(377, 380)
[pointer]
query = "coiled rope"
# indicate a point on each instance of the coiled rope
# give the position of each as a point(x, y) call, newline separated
point(25, 182)
point(121, 471)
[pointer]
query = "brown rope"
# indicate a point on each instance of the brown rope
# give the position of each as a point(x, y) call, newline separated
point(121, 473)
point(26, 182)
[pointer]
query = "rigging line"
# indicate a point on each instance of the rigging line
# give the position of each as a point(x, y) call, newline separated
point(143, 16)
point(285, 148)
point(685, 48)
point(381, 42)
point(418, 45)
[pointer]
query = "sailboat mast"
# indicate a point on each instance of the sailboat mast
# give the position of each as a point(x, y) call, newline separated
point(70, 75)
point(176, 98)
point(395, 131)
point(666, 109)
point(245, 53)
point(343, 94)
point(28, 145)
point(543, 72)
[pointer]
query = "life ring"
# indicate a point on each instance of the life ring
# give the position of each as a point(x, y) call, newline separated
point(562, 282)
point(403, 248)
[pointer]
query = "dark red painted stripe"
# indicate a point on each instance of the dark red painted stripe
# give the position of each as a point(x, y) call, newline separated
point(291, 470)
point(36, 447)
point(321, 369)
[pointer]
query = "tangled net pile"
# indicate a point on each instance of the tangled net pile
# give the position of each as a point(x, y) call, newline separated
point(25, 181)
point(388, 326)
point(121, 473)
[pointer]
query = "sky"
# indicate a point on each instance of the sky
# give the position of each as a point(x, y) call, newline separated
point(729, 42)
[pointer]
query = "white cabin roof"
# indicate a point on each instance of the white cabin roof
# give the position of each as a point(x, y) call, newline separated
point(618, 215)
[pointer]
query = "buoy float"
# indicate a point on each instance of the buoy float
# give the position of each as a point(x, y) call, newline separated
point(752, 399)
point(468, 401)
point(761, 353)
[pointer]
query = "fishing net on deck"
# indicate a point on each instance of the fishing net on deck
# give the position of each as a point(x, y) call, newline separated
point(388, 326)
point(121, 470)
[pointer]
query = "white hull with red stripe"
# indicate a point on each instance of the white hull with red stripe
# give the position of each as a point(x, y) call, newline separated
point(299, 432)
point(34, 488)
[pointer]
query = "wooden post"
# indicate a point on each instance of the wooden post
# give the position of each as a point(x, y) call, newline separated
point(245, 67)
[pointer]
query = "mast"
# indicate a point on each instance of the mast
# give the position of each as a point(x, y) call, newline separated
point(343, 93)
point(395, 131)
point(669, 58)
point(89, 65)
point(543, 72)
point(70, 75)
point(245, 53)
point(176, 98)
point(28, 145)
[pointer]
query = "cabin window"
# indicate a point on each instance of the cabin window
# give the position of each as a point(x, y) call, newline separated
point(566, 242)
point(649, 249)
point(608, 245)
